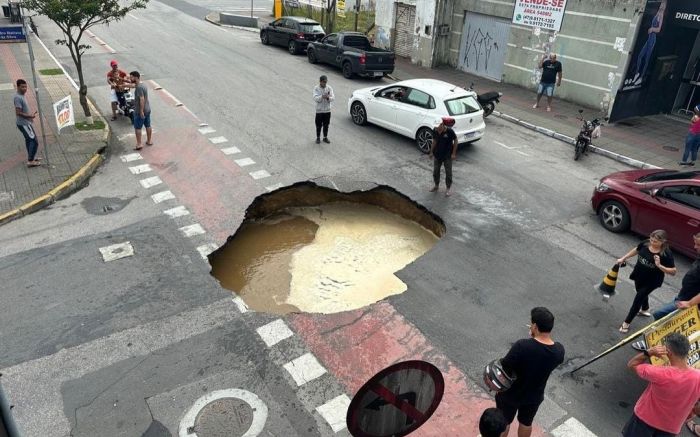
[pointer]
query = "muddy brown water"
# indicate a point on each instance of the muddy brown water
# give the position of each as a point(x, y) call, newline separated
point(327, 258)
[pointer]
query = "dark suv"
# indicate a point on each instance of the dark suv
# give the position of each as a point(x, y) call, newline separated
point(295, 33)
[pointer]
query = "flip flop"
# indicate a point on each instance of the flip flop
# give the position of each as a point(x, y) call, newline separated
point(114, 118)
point(624, 329)
point(33, 164)
point(149, 144)
point(138, 148)
point(693, 427)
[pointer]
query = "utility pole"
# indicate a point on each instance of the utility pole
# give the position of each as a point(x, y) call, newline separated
point(36, 85)
point(357, 12)
point(251, 8)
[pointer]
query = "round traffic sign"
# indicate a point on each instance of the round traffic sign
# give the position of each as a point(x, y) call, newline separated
point(396, 401)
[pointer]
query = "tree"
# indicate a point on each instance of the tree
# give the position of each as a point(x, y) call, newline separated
point(74, 17)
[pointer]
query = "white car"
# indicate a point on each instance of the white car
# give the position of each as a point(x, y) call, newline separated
point(413, 108)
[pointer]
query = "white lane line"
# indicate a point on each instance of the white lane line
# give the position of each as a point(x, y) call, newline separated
point(231, 150)
point(274, 332)
point(190, 112)
point(175, 99)
point(138, 169)
point(277, 186)
point(131, 157)
point(304, 369)
point(206, 130)
point(192, 230)
point(156, 86)
point(218, 140)
point(572, 428)
point(260, 174)
point(335, 411)
point(178, 211)
point(206, 249)
point(522, 153)
point(117, 251)
point(241, 305)
point(133, 16)
point(70, 79)
point(243, 162)
point(150, 182)
point(162, 196)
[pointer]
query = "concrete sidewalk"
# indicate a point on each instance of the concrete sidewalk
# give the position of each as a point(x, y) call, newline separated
point(72, 156)
point(641, 142)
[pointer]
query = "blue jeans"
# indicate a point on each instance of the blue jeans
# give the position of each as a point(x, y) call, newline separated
point(139, 122)
point(665, 310)
point(692, 141)
point(546, 88)
point(30, 140)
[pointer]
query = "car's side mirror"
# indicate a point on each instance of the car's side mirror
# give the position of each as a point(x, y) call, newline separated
point(654, 192)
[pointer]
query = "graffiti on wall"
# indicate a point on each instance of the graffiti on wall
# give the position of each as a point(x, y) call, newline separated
point(477, 53)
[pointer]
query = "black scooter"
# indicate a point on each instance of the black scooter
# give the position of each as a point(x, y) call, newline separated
point(590, 129)
point(487, 100)
point(125, 105)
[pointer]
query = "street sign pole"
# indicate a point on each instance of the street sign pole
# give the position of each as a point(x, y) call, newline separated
point(36, 87)
point(357, 13)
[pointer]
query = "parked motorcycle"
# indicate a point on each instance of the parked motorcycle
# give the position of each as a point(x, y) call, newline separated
point(487, 100)
point(590, 129)
point(125, 105)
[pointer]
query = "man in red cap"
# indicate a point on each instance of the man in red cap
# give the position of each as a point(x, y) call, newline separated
point(118, 82)
point(443, 150)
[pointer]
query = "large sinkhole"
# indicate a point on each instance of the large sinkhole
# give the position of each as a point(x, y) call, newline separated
point(312, 248)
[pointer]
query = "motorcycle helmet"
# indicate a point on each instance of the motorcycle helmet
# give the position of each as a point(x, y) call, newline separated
point(496, 378)
point(448, 121)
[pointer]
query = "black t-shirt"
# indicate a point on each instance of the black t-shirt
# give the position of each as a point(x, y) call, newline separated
point(690, 286)
point(645, 270)
point(443, 148)
point(532, 362)
point(549, 71)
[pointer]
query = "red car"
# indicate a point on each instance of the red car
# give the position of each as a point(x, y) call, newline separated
point(645, 200)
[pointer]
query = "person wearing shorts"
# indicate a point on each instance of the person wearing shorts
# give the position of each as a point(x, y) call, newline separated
point(118, 83)
point(142, 110)
point(530, 361)
point(551, 76)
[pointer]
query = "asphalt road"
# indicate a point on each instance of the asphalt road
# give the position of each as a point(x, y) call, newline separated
point(125, 347)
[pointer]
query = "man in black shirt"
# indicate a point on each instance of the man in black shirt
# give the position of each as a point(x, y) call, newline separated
point(531, 361)
point(444, 150)
point(551, 74)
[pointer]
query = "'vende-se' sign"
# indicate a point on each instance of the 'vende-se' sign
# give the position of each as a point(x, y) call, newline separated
point(545, 14)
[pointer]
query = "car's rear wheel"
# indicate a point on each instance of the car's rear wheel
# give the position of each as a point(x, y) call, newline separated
point(265, 38)
point(311, 55)
point(614, 216)
point(293, 48)
point(358, 113)
point(347, 70)
point(424, 139)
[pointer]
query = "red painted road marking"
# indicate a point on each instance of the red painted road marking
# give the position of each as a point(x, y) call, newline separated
point(355, 345)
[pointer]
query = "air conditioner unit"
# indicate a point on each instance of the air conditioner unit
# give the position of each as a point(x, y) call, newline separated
point(444, 29)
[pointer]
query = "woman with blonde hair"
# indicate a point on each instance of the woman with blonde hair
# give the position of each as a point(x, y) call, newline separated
point(654, 261)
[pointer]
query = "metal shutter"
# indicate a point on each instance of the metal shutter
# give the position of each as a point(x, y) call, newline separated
point(405, 28)
point(484, 45)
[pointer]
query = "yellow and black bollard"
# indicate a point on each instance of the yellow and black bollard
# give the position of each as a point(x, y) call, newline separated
point(607, 287)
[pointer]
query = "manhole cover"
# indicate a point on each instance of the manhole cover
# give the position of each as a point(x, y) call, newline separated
point(316, 249)
point(227, 417)
point(671, 148)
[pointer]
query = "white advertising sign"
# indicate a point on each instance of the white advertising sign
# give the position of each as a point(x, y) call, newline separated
point(63, 109)
point(545, 14)
point(314, 3)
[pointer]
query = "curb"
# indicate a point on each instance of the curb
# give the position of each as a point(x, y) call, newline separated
point(67, 187)
point(572, 141)
point(247, 29)
point(567, 139)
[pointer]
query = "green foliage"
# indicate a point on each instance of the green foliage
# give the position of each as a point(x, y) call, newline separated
point(83, 126)
point(51, 71)
point(74, 17)
point(365, 19)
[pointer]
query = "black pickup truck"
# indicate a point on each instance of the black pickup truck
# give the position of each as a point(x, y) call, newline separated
point(352, 52)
